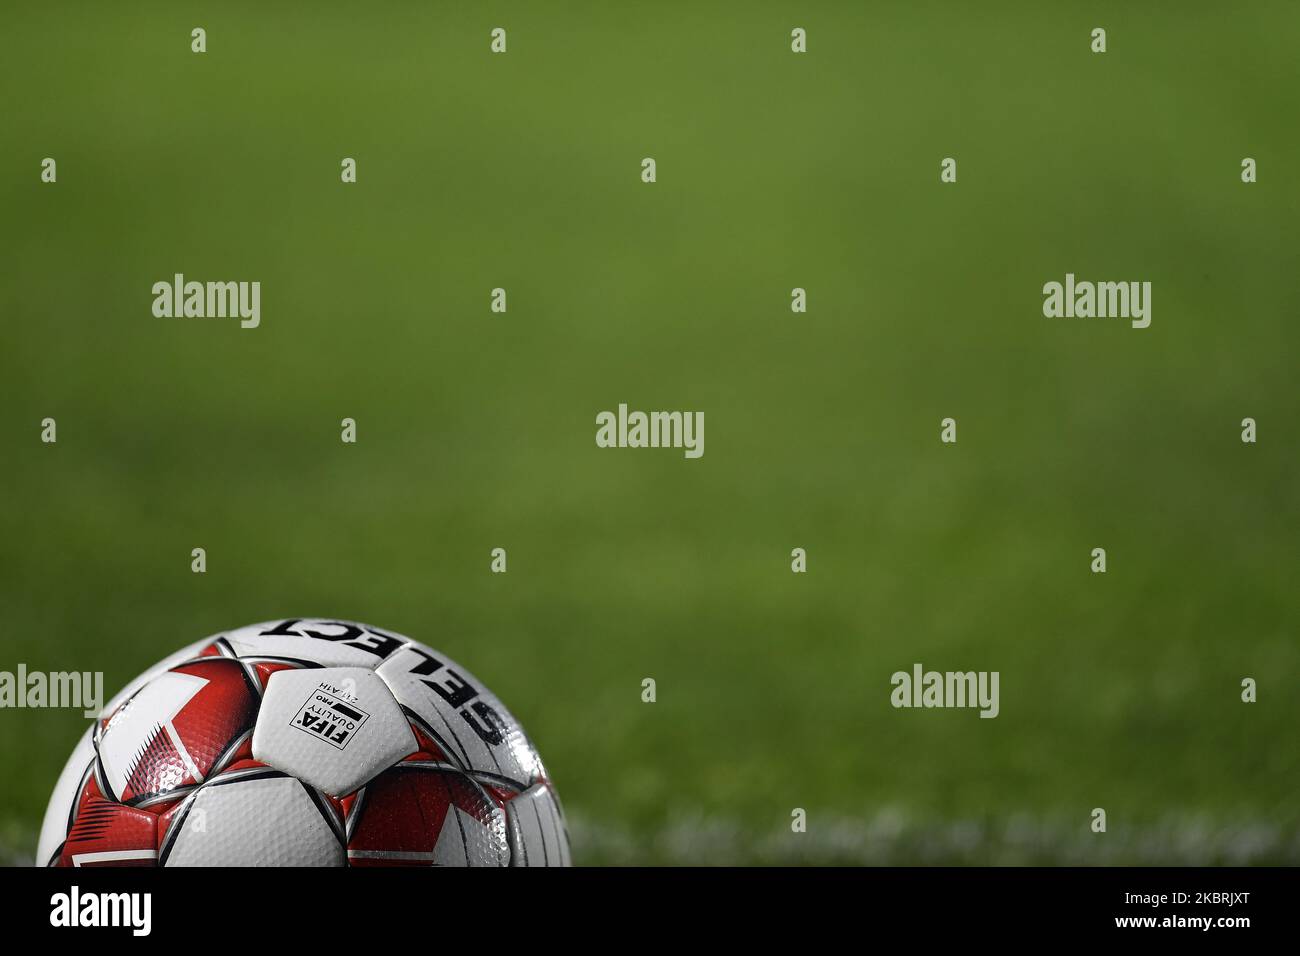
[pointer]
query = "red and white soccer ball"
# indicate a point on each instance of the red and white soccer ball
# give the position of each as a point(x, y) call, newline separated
point(305, 742)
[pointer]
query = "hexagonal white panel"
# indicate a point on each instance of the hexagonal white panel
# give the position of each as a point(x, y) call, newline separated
point(333, 727)
point(252, 819)
point(474, 727)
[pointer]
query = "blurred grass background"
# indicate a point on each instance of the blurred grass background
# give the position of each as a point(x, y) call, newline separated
point(477, 430)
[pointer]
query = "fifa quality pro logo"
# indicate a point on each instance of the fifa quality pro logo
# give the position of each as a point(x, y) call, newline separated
point(331, 713)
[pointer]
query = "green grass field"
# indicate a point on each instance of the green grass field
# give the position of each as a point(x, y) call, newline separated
point(475, 430)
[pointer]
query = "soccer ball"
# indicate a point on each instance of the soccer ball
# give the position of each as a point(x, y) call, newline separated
point(305, 742)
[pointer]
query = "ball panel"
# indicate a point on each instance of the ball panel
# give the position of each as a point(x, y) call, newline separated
point(176, 728)
point(250, 818)
point(188, 652)
point(537, 831)
point(421, 814)
point(333, 727)
point(478, 730)
point(319, 641)
point(58, 813)
point(106, 833)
